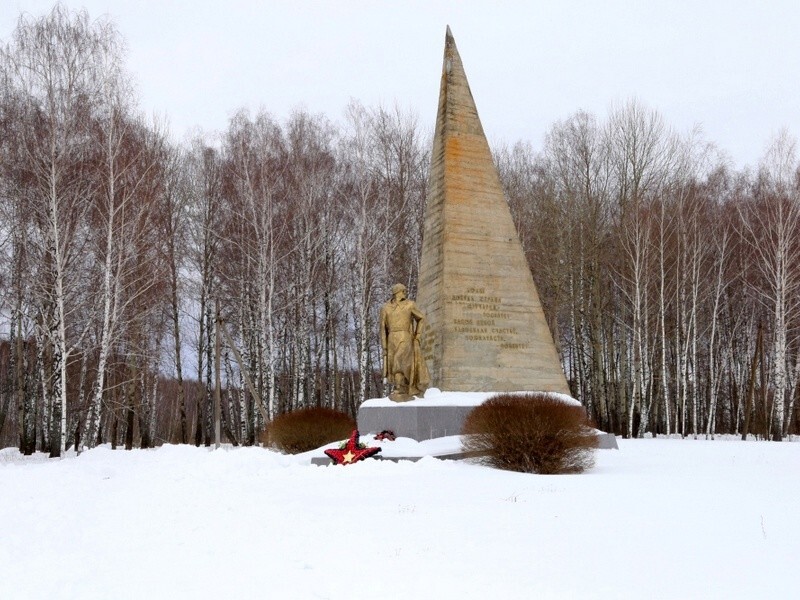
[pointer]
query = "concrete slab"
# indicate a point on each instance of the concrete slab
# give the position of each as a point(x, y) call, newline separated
point(324, 460)
point(440, 414)
point(607, 441)
point(416, 421)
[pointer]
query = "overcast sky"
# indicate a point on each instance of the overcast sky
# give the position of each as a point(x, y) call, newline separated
point(731, 67)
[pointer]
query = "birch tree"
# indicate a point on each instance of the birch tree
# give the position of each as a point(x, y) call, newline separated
point(257, 163)
point(311, 194)
point(55, 63)
point(369, 238)
point(577, 156)
point(204, 180)
point(171, 224)
point(17, 260)
point(130, 163)
point(772, 227)
point(642, 151)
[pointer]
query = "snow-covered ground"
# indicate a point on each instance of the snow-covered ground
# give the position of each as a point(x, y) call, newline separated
point(656, 519)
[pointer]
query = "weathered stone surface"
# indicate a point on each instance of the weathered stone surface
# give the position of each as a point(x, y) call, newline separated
point(486, 328)
point(607, 441)
point(415, 421)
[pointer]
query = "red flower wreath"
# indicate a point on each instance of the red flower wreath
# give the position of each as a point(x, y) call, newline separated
point(351, 452)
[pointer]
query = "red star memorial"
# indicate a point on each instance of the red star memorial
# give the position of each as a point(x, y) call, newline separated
point(352, 451)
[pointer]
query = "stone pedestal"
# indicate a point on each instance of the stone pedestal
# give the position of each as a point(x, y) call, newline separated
point(439, 414)
point(411, 419)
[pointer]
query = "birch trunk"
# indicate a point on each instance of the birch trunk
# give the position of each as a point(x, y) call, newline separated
point(712, 372)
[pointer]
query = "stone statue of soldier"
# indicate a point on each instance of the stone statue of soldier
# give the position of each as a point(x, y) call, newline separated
point(401, 324)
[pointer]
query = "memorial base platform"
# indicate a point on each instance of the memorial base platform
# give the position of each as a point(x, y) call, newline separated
point(438, 414)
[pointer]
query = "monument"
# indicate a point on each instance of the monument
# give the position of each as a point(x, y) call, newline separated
point(400, 325)
point(485, 330)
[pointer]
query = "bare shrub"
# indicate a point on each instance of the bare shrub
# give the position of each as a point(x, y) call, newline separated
point(307, 429)
point(531, 433)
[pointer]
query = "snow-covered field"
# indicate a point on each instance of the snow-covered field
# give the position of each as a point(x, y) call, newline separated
point(656, 519)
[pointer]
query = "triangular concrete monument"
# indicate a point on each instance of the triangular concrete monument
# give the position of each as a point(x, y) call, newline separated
point(486, 329)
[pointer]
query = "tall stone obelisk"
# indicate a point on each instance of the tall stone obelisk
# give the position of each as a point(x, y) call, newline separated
point(486, 329)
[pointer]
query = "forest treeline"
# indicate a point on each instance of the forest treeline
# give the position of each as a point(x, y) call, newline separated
point(670, 279)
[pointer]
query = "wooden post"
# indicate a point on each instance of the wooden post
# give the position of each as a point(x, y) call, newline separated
point(247, 380)
point(217, 403)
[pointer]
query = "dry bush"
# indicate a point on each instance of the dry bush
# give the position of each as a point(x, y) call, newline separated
point(307, 429)
point(531, 433)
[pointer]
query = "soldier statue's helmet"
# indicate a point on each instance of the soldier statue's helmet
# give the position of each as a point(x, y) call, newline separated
point(397, 288)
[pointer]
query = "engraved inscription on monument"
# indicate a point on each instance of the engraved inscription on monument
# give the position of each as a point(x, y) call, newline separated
point(480, 317)
point(483, 318)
